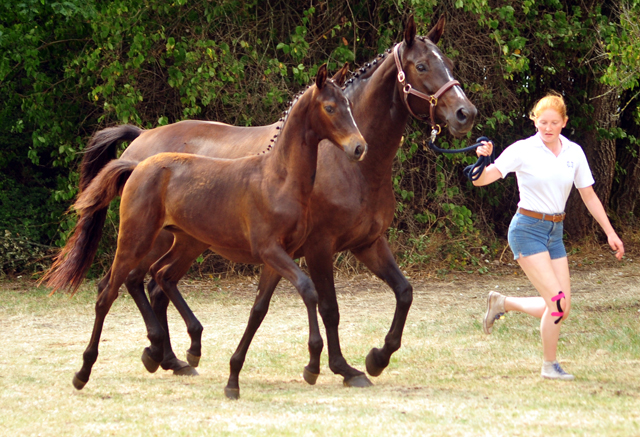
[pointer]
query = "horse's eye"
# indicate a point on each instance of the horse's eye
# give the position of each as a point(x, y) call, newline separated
point(421, 67)
point(329, 109)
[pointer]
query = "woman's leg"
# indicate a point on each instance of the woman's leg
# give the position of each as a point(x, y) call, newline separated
point(549, 277)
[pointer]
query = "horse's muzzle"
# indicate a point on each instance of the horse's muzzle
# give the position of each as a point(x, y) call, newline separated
point(356, 149)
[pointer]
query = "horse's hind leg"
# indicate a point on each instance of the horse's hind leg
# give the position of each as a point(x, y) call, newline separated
point(107, 293)
point(379, 259)
point(154, 354)
point(106, 297)
point(319, 260)
point(167, 272)
point(134, 242)
point(268, 282)
point(159, 302)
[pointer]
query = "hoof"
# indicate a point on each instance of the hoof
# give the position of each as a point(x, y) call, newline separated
point(78, 383)
point(186, 371)
point(310, 377)
point(232, 393)
point(193, 360)
point(373, 368)
point(149, 363)
point(357, 381)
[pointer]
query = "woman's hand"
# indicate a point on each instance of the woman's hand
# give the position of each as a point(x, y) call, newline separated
point(616, 244)
point(486, 149)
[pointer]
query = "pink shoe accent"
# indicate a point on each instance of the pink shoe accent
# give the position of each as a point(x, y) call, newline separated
point(557, 314)
point(557, 297)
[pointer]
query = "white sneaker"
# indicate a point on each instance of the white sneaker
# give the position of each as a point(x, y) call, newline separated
point(495, 310)
point(552, 370)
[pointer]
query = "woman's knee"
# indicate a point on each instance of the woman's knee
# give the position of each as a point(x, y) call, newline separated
point(560, 306)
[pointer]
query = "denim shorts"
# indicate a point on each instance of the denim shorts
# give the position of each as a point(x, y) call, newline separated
point(529, 236)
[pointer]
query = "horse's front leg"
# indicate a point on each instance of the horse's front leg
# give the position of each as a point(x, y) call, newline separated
point(268, 282)
point(379, 259)
point(319, 259)
point(281, 263)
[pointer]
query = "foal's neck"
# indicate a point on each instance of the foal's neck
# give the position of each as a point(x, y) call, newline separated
point(294, 156)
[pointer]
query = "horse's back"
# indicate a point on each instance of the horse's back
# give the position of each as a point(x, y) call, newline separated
point(205, 138)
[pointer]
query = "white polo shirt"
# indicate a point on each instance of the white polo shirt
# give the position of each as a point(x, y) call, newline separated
point(544, 180)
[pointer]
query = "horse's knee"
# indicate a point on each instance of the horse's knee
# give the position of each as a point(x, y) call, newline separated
point(329, 312)
point(404, 295)
point(135, 280)
point(308, 292)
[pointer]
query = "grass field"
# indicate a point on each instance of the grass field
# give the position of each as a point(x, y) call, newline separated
point(447, 379)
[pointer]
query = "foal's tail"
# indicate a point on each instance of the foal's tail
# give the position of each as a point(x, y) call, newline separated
point(72, 263)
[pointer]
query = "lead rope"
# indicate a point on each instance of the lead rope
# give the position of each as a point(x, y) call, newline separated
point(473, 171)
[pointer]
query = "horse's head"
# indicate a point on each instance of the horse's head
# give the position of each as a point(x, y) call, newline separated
point(333, 114)
point(425, 80)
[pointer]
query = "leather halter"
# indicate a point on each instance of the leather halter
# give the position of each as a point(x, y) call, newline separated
point(432, 99)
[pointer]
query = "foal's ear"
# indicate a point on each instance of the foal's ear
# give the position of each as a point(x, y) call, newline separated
point(341, 75)
point(437, 31)
point(410, 31)
point(321, 77)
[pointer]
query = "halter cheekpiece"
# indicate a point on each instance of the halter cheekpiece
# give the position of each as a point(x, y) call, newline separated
point(432, 99)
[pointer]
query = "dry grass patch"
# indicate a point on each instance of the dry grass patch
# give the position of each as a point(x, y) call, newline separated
point(447, 379)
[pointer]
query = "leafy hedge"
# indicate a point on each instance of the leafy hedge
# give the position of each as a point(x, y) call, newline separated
point(70, 68)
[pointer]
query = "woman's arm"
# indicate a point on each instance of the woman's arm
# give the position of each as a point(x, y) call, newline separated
point(593, 204)
point(491, 173)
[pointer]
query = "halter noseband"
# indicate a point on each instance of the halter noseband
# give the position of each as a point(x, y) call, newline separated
point(433, 99)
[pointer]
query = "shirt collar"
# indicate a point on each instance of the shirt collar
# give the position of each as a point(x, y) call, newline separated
point(566, 143)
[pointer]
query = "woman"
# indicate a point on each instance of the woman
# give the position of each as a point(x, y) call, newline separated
point(546, 166)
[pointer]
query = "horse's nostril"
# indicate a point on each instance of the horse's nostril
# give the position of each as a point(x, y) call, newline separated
point(462, 114)
point(358, 151)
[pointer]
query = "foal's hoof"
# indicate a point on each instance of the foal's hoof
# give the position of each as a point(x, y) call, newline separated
point(186, 371)
point(78, 383)
point(309, 376)
point(149, 363)
point(374, 368)
point(193, 360)
point(357, 381)
point(232, 393)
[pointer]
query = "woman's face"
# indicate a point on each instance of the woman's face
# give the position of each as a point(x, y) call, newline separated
point(550, 124)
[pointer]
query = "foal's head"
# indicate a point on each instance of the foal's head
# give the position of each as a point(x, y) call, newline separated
point(332, 118)
point(427, 70)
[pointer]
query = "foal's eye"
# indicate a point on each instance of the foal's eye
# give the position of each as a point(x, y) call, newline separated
point(329, 109)
point(421, 67)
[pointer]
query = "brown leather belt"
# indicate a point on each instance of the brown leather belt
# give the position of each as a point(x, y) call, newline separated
point(540, 216)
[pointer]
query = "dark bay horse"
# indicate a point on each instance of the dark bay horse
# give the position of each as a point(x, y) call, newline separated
point(352, 204)
point(249, 210)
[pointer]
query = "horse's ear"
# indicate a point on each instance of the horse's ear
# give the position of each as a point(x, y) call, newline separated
point(437, 31)
point(321, 77)
point(410, 31)
point(341, 75)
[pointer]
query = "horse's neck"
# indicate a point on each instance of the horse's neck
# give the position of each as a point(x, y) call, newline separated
point(381, 116)
point(294, 156)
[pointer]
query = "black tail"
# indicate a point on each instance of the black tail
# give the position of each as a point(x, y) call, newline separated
point(102, 148)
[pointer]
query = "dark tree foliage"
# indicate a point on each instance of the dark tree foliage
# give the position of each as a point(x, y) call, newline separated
point(70, 68)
